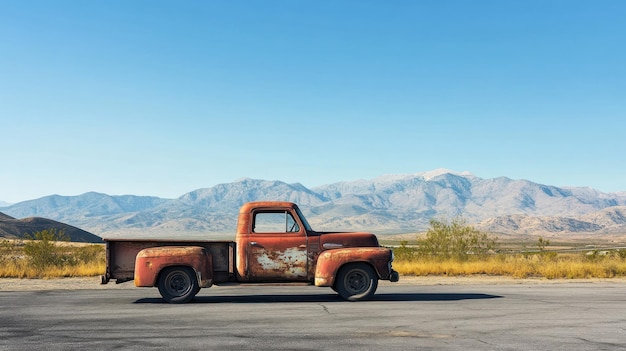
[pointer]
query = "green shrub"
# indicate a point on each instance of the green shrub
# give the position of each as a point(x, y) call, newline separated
point(404, 252)
point(455, 239)
point(42, 250)
point(542, 243)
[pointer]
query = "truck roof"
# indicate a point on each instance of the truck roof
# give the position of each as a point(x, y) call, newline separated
point(248, 207)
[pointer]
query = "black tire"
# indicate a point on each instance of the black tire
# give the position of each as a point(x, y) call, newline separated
point(178, 284)
point(356, 282)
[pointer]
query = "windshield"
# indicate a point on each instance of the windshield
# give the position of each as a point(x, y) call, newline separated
point(306, 224)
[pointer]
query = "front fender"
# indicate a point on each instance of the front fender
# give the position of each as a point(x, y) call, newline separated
point(329, 262)
point(150, 262)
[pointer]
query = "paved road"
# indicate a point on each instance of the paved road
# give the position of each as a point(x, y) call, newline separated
point(568, 316)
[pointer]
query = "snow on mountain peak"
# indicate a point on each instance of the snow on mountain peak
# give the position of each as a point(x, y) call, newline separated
point(439, 171)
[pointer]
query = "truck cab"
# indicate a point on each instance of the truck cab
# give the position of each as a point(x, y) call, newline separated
point(276, 243)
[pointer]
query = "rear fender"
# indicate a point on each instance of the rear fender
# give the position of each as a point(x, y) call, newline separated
point(330, 261)
point(150, 262)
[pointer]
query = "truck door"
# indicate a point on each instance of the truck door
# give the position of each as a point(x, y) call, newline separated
point(277, 249)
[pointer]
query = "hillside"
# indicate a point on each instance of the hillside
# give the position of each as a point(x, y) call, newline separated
point(387, 204)
point(4, 217)
point(610, 220)
point(18, 228)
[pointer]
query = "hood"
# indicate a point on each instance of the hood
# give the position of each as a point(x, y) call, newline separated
point(333, 240)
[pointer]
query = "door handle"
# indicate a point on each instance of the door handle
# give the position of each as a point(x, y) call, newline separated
point(254, 243)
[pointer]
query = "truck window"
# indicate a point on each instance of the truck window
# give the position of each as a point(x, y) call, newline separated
point(275, 222)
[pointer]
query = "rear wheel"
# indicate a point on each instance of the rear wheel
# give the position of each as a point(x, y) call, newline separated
point(356, 282)
point(178, 284)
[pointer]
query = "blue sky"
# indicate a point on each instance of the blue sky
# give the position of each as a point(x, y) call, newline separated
point(165, 97)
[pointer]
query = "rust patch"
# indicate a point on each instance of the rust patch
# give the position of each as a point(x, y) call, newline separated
point(288, 264)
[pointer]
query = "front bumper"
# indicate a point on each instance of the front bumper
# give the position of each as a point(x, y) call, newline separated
point(394, 276)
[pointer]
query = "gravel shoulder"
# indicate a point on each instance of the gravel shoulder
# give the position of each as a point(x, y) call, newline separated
point(86, 283)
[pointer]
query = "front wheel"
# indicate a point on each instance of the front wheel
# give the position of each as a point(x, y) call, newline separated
point(178, 284)
point(356, 282)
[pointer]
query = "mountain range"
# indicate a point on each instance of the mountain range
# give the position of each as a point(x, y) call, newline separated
point(384, 205)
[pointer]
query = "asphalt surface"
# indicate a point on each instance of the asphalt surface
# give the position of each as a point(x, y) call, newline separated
point(567, 316)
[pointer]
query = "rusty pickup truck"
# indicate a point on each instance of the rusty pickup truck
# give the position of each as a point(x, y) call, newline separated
point(274, 244)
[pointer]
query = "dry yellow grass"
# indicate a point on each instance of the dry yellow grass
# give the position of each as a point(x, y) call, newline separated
point(568, 266)
point(70, 260)
point(21, 269)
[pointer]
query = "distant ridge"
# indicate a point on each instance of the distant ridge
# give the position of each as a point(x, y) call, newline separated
point(387, 204)
point(607, 221)
point(18, 228)
point(4, 217)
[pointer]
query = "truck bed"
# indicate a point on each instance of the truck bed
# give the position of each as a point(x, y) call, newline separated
point(121, 253)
